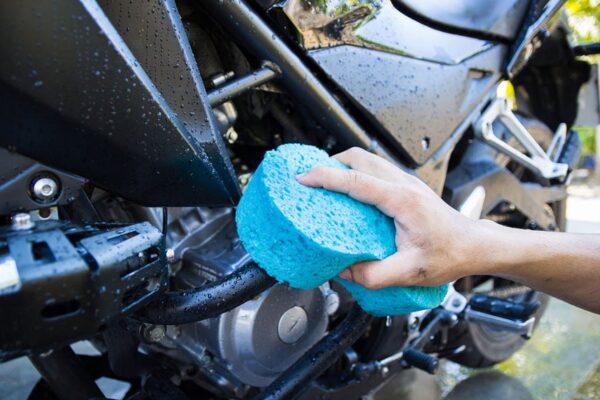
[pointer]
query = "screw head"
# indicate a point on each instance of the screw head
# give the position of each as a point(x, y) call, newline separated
point(385, 371)
point(231, 136)
point(22, 221)
point(292, 325)
point(44, 189)
point(170, 255)
point(332, 302)
point(154, 333)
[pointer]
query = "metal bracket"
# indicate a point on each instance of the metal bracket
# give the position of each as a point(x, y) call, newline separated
point(454, 301)
point(229, 90)
point(558, 142)
point(523, 328)
point(537, 159)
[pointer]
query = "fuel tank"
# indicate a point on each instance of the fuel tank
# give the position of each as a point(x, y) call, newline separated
point(417, 84)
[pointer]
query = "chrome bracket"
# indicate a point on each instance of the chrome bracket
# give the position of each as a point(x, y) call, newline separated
point(454, 301)
point(536, 159)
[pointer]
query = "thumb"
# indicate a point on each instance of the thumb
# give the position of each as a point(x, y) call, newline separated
point(380, 273)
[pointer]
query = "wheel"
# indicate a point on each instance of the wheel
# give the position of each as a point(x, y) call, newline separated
point(486, 346)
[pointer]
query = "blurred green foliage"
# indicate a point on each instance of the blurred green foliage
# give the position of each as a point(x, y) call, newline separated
point(587, 135)
point(584, 18)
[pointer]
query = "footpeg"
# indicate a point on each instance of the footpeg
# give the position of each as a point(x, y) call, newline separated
point(503, 308)
point(420, 360)
point(502, 314)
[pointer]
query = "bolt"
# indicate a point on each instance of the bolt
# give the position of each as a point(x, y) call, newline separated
point(292, 325)
point(231, 135)
point(44, 189)
point(22, 221)
point(154, 333)
point(456, 303)
point(170, 254)
point(332, 302)
point(385, 371)
point(222, 78)
point(244, 179)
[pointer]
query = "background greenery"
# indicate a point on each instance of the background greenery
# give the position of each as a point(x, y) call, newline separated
point(584, 18)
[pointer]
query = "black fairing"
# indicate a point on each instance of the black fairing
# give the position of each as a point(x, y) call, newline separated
point(122, 105)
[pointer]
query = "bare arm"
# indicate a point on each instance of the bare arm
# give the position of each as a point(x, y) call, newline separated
point(436, 244)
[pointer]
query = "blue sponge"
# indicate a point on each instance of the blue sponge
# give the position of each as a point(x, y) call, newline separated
point(306, 236)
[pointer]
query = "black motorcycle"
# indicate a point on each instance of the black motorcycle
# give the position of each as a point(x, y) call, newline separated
point(132, 127)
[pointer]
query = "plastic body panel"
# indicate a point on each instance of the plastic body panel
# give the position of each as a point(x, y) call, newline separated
point(417, 103)
point(127, 112)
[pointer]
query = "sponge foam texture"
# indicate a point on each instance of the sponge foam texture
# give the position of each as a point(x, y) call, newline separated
point(306, 236)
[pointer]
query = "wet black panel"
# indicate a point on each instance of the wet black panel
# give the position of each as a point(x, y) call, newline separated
point(75, 97)
point(417, 103)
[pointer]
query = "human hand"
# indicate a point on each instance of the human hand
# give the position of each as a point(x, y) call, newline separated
point(434, 242)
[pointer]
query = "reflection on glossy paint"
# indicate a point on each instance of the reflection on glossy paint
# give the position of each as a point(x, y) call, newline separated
point(374, 24)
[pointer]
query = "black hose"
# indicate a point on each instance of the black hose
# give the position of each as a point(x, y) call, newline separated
point(292, 382)
point(208, 301)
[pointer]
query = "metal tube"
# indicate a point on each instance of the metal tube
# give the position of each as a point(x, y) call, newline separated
point(238, 86)
point(258, 37)
point(321, 356)
point(208, 301)
point(65, 375)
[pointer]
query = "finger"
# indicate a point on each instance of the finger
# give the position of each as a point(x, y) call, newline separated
point(362, 187)
point(369, 163)
point(395, 270)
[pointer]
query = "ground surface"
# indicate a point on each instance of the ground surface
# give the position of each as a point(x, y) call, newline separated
point(560, 362)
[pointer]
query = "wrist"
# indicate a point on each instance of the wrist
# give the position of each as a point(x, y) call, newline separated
point(491, 249)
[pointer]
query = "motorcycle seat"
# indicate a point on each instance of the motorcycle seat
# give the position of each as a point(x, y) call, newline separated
point(500, 18)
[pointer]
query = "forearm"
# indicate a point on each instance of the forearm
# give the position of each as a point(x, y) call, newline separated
point(563, 265)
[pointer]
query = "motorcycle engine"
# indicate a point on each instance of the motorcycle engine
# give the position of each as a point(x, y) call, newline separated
point(253, 343)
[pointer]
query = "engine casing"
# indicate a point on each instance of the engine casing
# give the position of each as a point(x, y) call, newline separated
point(253, 343)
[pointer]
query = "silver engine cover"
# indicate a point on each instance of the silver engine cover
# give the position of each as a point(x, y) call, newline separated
point(263, 337)
point(253, 343)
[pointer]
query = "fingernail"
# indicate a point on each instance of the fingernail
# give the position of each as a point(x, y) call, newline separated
point(346, 274)
point(300, 177)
